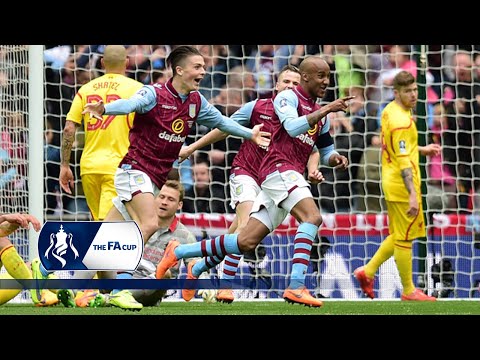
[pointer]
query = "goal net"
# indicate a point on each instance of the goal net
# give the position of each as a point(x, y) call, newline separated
point(14, 139)
point(447, 264)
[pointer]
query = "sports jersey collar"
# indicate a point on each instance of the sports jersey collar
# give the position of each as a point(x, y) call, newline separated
point(173, 225)
point(170, 88)
point(303, 94)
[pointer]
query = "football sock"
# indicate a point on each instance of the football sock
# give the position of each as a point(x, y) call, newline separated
point(219, 246)
point(230, 267)
point(7, 294)
point(204, 264)
point(122, 275)
point(44, 271)
point(302, 247)
point(384, 252)
point(403, 259)
point(14, 264)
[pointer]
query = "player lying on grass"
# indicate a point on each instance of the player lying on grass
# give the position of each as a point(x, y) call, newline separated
point(14, 264)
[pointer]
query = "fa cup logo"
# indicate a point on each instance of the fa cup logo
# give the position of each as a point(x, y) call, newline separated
point(60, 246)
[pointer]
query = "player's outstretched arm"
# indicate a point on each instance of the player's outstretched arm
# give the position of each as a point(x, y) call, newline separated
point(16, 218)
point(11, 222)
point(34, 221)
point(213, 118)
point(261, 138)
point(212, 137)
point(337, 105)
point(142, 101)
point(95, 110)
point(430, 150)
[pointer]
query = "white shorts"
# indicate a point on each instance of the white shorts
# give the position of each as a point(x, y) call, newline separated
point(265, 210)
point(279, 187)
point(242, 188)
point(130, 182)
point(121, 208)
point(280, 193)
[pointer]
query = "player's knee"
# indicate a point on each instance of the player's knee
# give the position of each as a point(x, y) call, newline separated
point(315, 219)
point(247, 248)
point(246, 244)
point(241, 227)
point(148, 229)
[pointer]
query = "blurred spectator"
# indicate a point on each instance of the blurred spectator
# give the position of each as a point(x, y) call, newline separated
point(399, 57)
point(261, 64)
point(366, 126)
point(239, 78)
point(51, 155)
point(370, 199)
point(216, 66)
point(57, 56)
point(10, 183)
point(288, 55)
point(185, 173)
point(335, 189)
point(363, 135)
point(139, 62)
point(161, 76)
point(154, 64)
point(462, 142)
point(327, 52)
point(348, 75)
point(228, 100)
point(8, 171)
point(60, 83)
point(14, 139)
point(441, 182)
point(205, 196)
point(90, 56)
point(221, 154)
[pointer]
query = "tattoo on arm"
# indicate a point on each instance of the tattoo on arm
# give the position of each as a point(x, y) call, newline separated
point(67, 143)
point(407, 176)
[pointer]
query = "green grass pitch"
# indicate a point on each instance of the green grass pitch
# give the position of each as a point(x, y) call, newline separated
point(330, 307)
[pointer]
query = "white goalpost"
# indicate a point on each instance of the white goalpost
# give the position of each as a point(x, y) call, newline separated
point(36, 141)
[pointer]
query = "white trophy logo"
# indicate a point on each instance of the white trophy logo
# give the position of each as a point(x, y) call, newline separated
point(59, 240)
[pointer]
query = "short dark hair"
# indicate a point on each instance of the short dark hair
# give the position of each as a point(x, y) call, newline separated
point(179, 54)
